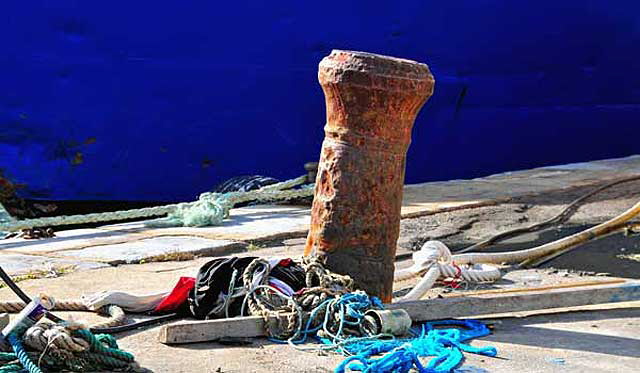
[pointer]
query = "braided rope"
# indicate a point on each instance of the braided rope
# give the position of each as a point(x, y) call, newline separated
point(45, 335)
point(116, 316)
point(209, 209)
point(115, 313)
point(88, 218)
point(65, 346)
point(65, 305)
point(22, 355)
point(327, 305)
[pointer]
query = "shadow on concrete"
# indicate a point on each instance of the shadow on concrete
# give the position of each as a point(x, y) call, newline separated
point(600, 256)
point(25, 243)
point(531, 331)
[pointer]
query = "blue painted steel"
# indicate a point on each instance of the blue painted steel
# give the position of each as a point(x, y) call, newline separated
point(159, 100)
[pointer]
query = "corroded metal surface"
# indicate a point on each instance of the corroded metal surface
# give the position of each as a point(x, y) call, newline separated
point(372, 102)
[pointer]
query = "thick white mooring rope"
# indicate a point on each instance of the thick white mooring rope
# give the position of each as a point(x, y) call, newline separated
point(436, 259)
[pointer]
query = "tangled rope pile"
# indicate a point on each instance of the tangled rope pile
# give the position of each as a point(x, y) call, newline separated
point(328, 305)
point(58, 347)
point(403, 355)
point(332, 311)
point(209, 209)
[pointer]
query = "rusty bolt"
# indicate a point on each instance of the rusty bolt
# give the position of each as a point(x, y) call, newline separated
point(372, 102)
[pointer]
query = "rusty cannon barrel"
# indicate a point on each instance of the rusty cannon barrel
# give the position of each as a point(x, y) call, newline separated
point(372, 102)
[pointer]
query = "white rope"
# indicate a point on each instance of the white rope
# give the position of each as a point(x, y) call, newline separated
point(436, 260)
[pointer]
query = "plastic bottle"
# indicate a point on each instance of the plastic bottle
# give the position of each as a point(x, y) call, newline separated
point(29, 316)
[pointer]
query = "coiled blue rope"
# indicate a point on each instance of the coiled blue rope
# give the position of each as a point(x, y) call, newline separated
point(402, 355)
point(334, 315)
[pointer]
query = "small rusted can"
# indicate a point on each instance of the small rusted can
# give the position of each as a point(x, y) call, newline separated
point(394, 322)
point(372, 102)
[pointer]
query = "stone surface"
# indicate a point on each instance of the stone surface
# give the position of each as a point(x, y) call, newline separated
point(601, 338)
point(18, 264)
point(131, 252)
point(64, 240)
point(555, 186)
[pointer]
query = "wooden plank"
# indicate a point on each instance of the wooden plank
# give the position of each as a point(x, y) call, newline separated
point(423, 310)
point(211, 330)
point(536, 288)
point(534, 300)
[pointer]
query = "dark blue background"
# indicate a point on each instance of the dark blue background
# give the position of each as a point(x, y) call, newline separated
point(159, 100)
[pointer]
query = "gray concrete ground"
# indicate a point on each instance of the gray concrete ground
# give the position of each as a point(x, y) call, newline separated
point(595, 339)
point(134, 242)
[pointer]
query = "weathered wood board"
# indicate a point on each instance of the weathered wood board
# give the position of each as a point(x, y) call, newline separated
point(425, 310)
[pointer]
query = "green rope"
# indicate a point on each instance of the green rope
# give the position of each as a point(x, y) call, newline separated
point(10, 368)
point(103, 354)
point(4, 219)
point(209, 209)
point(109, 351)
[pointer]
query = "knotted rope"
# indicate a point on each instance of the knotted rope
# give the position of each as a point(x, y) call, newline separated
point(209, 209)
point(65, 346)
point(436, 261)
point(328, 306)
point(330, 310)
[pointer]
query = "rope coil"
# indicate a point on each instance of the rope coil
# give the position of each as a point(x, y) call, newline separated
point(65, 346)
point(328, 306)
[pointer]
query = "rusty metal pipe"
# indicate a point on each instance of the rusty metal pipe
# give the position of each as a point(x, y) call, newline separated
point(372, 102)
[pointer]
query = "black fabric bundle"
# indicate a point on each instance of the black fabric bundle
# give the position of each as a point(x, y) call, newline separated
point(214, 277)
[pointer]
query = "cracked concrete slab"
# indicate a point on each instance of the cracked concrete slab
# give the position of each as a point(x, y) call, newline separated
point(19, 264)
point(132, 252)
point(64, 240)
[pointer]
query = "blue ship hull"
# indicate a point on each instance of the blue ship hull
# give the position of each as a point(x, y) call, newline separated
point(161, 100)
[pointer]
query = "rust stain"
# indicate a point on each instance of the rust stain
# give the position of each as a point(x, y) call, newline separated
point(372, 102)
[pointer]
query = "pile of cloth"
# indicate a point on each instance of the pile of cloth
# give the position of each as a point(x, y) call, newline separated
point(207, 295)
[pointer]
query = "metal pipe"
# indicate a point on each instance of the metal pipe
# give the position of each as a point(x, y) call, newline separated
point(372, 102)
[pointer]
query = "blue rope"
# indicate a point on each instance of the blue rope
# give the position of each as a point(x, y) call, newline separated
point(402, 355)
point(20, 352)
point(398, 355)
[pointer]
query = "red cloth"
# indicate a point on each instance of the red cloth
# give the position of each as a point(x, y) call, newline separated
point(177, 297)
